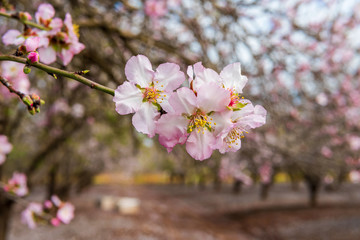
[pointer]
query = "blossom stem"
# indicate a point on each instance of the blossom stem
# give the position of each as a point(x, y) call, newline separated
point(10, 87)
point(26, 22)
point(60, 72)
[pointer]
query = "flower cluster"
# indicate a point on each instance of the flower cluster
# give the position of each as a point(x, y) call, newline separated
point(52, 211)
point(207, 115)
point(61, 38)
point(5, 148)
point(17, 185)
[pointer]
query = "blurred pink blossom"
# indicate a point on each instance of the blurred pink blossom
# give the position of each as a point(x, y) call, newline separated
point(354, 176)
point(326, 152)
point(5, 148)
point(155, 8)
point(65, 213)
point(17, 185)
point(29, 215)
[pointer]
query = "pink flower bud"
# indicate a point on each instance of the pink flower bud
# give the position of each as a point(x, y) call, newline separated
point(55, 222)
point(24, 16)
point(33, 57)
point(48, 204)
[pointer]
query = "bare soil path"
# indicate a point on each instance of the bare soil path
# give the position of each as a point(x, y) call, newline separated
point(182, 212)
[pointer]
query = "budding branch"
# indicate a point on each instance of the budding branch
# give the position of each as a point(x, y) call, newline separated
point(60, 72)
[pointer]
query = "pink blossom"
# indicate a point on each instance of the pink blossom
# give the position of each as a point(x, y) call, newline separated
point(354, 176)
point(155, 8)
point(243, 115)
point(32, 44)
point(265, 172)
point(56, 200)
point(48, 204)
point(64, 44)
point(354, 142)
point(5, 148)
point(31, 39)
point(55, 222)
point(230, 168)
point(29, 215)
point(326, 152)
point(146, 91)
point(13, 37)
point(33, 57)
point(25, 16)
point(65, 212)
point(17, 185)
point(44, 13)
point(194, 119)
point(322, 99)
point(242, 120)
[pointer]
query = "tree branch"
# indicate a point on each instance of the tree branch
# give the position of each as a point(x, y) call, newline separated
point(26, 22)
point(56, 71)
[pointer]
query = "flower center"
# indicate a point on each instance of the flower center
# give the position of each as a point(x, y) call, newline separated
point(235, 134)
point(199, 121)
point(151, 94)
point(234, 99)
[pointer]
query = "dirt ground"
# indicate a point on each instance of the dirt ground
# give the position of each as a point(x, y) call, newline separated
point(184, 212)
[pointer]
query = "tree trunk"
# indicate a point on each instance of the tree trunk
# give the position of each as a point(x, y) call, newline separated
point(264, 191)
point(51, 187)
point(217, 183)
point(5, 213)
point(313, 185)
point(237, 185)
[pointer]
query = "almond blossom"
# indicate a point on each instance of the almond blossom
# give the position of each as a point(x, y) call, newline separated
point(242, 120)
point(29, 39)
point(17, 185)
point(65, 213)
point(62, 42)
point(59, 39)
point(243, 115)
point(192, 120)
point(31, 213)
point(5, 148)
point(65, 210)
point(45, 16)
point(146, 92)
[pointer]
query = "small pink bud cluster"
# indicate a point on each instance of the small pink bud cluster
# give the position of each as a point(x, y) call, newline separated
point(17, 185)
point(207, 115)
point(52, 212)
point(33, 102)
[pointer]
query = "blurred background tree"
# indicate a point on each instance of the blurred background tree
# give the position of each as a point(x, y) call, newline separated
point(301, 58)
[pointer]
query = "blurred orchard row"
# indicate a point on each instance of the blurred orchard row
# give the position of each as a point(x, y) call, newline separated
point(301, 58)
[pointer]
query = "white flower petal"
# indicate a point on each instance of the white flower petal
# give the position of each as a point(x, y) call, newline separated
point(144, 119)
point(138, 70)
point(127, 98)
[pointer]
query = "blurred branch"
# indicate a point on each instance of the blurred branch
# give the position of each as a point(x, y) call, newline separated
point(26, 22)
point(56, 71)
point(9, 86)
point(107, 27)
